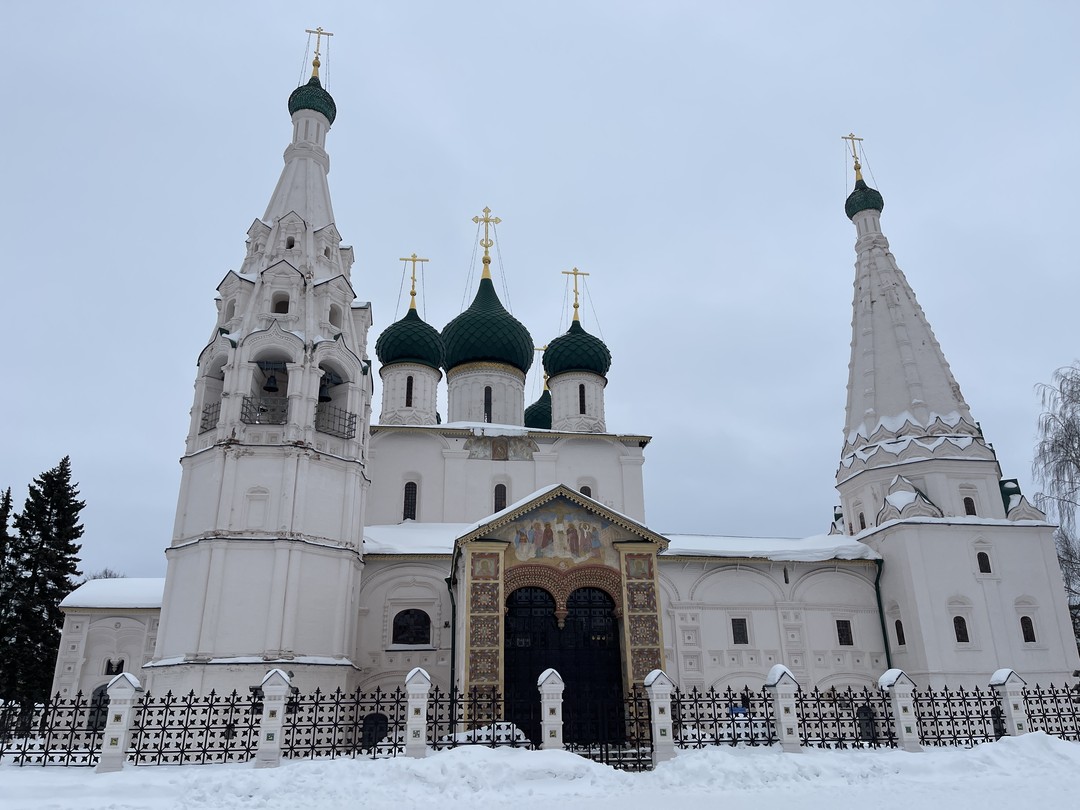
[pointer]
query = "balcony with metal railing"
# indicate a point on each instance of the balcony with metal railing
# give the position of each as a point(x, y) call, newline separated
point(335, 421)
point(211, 414)
point(265, 410)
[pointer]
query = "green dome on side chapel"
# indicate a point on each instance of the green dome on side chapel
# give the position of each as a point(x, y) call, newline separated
point(410, 340)
point(863, 198)
point(538, 415)
point(486, 332)
point(311, 96)
point(577, 350)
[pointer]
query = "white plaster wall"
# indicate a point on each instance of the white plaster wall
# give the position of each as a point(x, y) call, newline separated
point(465, 392)
point(425, 391)
point(566, 402)
point(91, 636)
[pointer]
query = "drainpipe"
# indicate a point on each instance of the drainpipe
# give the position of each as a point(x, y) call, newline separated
point(881, 613)
point(450, 582)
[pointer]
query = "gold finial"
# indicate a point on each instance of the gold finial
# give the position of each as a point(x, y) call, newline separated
point(850, 138)
point(412, 292)
point(319, 34)
point(486, 242)
point(575, 273)
point(542, 349)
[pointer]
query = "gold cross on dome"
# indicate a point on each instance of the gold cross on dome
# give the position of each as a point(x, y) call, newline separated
point(851, 138)
point(575, 273)
point(486, 242)
point(412, 292)
point(319, 34)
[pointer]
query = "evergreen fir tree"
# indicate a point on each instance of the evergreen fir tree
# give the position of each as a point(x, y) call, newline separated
point(46, 562)
point(8, 568)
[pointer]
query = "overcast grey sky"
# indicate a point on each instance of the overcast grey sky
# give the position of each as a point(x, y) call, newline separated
point(687, 155)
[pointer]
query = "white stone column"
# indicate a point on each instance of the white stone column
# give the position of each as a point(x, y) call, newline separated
point(550, 684)
point(902, 703)
point(1010, 691)
point(417, 688)
point(124, 692)
point(275, 686)
point(784, 687)
point(658, 686)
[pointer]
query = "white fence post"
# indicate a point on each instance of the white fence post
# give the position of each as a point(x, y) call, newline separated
point(550, 684)
point(1010, 691)
point(274, 687)
point(902, 702)
point(124, 691)
point(659, 687)
point(417, 688)
point(784, 687)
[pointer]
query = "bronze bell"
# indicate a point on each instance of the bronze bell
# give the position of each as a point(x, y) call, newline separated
point(324, 392)
point(271, 384)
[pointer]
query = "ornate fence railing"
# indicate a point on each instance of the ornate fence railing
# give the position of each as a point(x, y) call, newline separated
point(701, 719)
point(623, 741)
point(480, 716)
point(195, 730)
point(958, 717)
point(1055, 710)
point(345, 724)
point(58, 732)
point(845, 718)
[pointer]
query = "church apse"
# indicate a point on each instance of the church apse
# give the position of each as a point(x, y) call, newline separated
point(562, 544)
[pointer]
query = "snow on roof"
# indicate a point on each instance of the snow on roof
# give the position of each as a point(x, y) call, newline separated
point(807, 549)
point(123, 592)
point(410, 537)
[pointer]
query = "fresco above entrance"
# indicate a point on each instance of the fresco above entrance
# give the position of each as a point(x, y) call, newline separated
point(560, 532)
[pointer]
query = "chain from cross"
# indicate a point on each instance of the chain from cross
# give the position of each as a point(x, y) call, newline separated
point(319, 34)
point(487, 219)
point(575, 273)
point(414, 260)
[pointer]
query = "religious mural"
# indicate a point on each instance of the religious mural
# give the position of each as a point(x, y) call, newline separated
point(560, 532)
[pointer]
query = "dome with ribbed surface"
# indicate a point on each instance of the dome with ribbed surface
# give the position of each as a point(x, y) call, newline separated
point(410, 340)
point(577, 350)
point(863, 198)
point(311, 96)
point(486, 332)
point(538, 415)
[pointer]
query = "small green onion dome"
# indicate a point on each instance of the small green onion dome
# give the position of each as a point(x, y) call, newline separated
point(486, 332)
point(538, 415)
point(577, 350)
point(863, 198)
point(410, 340)
point(311, 96)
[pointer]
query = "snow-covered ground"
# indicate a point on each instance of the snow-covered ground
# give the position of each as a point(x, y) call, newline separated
point(1034, 770)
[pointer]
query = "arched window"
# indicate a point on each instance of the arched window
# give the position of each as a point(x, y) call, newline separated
point(959, 624)
point(969, 505)
point(230, 310)
point(487, 403)
point(586, 491)
point(411, 626)
point(408, 391)
point(500, 497)
point(862, 521)
point(280, 304)
point(335, 315)
point(581, 398)
point(900, 640)
point(290, 243)
point(408, 510)
point(1027, 627)
point(984, 562)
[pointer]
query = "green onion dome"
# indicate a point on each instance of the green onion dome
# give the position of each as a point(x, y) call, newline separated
point(538, 415)
point(577, 350)
point(410, 340)
point(486, 332)
point(311, 96)
point(863, 198)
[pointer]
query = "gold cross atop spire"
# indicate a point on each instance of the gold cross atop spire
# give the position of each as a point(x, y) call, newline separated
point(412, 292)
point(319, 34)
point(850, 138)
point(486, 242)
point(575, 273)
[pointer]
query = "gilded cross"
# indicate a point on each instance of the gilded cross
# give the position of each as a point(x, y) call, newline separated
point(319, 34)
point(486, 242)
point(412, 292)
point(851, 138)
point(575, 273)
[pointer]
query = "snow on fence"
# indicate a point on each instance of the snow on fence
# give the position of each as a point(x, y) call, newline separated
point(645, 728)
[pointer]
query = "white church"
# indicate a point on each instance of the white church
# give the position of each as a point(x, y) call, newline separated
point(348, 548)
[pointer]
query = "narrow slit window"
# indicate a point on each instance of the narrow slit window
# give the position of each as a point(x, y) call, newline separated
point(500, 497)
point(581, 398)
point(740, 634)
point(487, 404)
point(900, 639)
point(408, 391)
point(408, 511)
point(843, 633)
point(984, 563)
point(969, 506)
point(960, 629)
point(1027, 627)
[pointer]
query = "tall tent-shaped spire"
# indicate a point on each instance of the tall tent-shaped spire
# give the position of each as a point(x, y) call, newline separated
point(904, 405)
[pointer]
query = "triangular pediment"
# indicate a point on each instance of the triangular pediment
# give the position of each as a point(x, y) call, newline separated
point(282, 268)
point(232, 282)
point(558, 499)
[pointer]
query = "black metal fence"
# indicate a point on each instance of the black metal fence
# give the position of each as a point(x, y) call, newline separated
point(59, 732)
point(481, 716)
point(624, 738)
point(958, 717)
point(1055, 710)
point(345, 724)
point(701, 719)
point(845, 718)
point(194, 730)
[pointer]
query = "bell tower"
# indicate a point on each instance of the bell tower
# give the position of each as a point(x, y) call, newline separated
point(265, 559)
